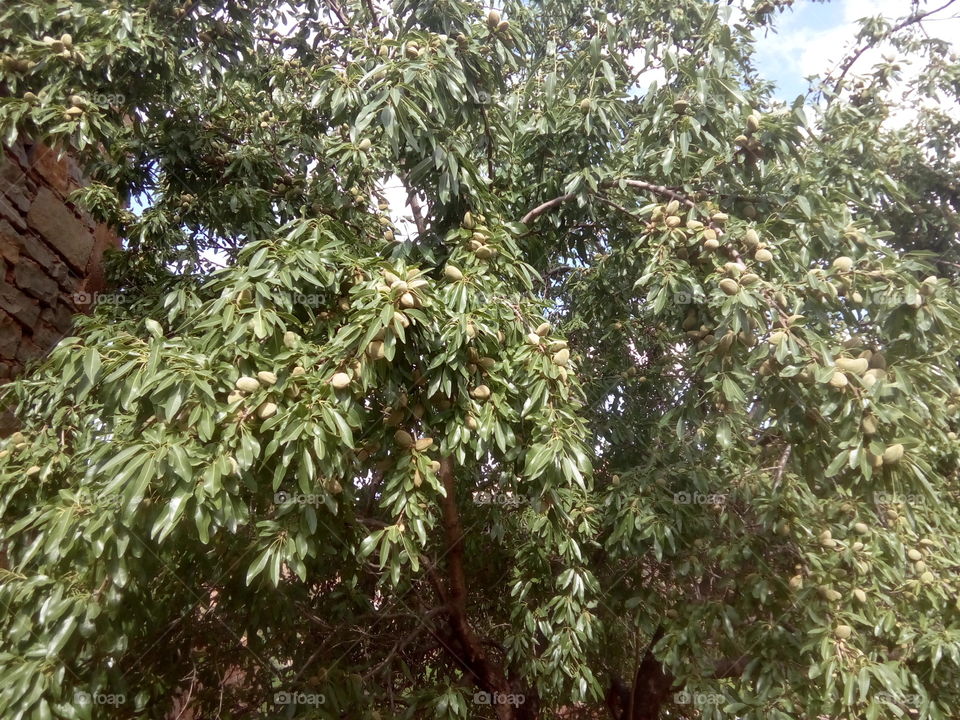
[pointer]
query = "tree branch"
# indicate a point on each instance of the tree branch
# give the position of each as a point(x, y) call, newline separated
point(873, 42)
point(638, 184)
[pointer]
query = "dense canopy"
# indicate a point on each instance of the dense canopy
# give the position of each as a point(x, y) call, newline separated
point(644, 405)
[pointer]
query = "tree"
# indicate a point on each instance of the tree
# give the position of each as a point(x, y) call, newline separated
point(653, 414)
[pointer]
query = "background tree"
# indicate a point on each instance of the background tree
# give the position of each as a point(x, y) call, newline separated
point(653, 415)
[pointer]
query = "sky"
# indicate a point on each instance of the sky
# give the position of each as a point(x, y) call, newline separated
point(811, 38)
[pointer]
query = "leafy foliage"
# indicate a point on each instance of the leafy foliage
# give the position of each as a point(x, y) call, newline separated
point(651, 363)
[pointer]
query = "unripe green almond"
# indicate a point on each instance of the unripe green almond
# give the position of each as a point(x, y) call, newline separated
point(753, 122)
point(672, 221)
point(403, 439)
point(914, 554)
point(694, 225)
point(828, 593)
point(503, 25)
point(471, 422)
point(298, 371)
point(711, 244)
point(487, 363)
point(893, 454)
point(709, 234)
point(543, 329)
point(843, 264)
point(557, 345)
point(856, 298)
point(32, 470)
point(340, 380)
point(828, 542)
point(751, 238)
point(468, 222)
point(672, 207)
point(951, 436)
point(407, 300)
point(247, 384)
point(561, 357)
point(839, 380)
point(729, 286)
point(857, 546)
point(861, 528)
point(267, 377)
point(375, 349)
point(533, 338)
point(585, 104)
point(435, 466)
point(859, 595)
point(267, 410)
point(493, 18)
point(856, 366)
point(452, 273)
point(719, 218)
point(796, 582)
point(234, 396)
point(480, 392)
point(927, 577)
point(750, 279)
point(364, 145)
point(485, 252)
point(763, 255)
point(843, 632)
point(290, 339)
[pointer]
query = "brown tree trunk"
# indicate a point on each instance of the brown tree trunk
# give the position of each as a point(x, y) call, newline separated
point(485, 672)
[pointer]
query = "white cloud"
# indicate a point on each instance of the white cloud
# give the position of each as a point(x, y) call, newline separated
point(802, 47)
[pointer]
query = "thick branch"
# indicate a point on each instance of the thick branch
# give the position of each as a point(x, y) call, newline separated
point(638, 184)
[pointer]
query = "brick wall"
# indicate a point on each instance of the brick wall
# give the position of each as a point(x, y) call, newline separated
point(50, 254)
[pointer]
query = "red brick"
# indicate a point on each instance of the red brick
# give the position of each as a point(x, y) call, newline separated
point(22, 307)
point(9, 213)
point(59, 316)
point(9, 242)
point(33, 278)
point(52, 167)
point(28, 350)
point(61, 229)
point(45, 336)
point(10, 334)
point(13, 185)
